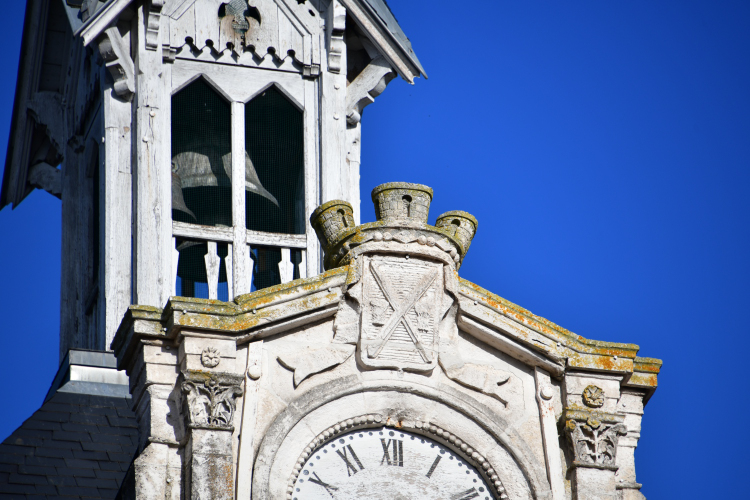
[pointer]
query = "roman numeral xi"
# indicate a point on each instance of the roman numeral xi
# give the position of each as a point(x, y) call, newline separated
point(350, 469)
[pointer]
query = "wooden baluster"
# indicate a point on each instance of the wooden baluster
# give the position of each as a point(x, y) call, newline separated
point(175, 264)
point(229, 269)
point(303, 265)
point(212, 270)
point(286, 268)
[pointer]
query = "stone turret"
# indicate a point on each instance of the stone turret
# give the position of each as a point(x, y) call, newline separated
point(330, 220)
point(402, 200)
point(460, 224)
point(402, 210)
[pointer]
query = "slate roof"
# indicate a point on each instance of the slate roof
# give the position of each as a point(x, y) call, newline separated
point(74, 446)
point(384, 12)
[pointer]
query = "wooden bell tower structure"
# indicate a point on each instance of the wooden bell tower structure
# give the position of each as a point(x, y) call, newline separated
point(190, 140)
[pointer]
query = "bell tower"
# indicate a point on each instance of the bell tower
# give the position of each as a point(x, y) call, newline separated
point(191, 140)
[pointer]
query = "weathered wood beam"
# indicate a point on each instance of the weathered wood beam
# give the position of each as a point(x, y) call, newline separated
point(382, 38)
point(116, 54)
point(46, 108)
point(369, 84)
point(45, 176)
point(102, 19)
point(152, 175)
point(14, 187)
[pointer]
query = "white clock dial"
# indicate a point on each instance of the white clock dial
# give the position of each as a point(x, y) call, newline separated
point(385, 463)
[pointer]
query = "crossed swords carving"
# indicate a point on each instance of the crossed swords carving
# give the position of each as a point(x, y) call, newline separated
point(400, 309)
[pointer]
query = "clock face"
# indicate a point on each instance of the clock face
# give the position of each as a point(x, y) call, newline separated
point(385, 463)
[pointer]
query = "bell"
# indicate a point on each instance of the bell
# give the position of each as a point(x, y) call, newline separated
point(204, 165)
point(178, 202)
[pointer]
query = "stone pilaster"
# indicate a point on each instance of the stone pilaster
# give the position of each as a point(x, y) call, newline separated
point(153, 372)
point(631, 406)
point(210, 389)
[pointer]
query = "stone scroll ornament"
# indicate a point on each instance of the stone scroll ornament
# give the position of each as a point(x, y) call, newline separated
point(211, 403)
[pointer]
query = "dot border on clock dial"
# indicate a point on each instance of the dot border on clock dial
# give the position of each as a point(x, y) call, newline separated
point(428, 430)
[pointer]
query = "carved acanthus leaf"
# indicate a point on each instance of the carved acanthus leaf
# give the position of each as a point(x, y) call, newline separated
point(593, 437)
point(211, 403)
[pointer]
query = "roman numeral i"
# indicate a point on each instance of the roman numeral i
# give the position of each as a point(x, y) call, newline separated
point(398, 452)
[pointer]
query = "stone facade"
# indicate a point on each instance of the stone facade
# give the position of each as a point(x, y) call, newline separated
point(386, 375)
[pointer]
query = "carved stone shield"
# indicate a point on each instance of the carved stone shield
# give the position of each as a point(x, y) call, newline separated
point(401, 298)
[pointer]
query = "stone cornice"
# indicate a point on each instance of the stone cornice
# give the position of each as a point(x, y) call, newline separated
point(248, 313)
point(557, 342)
point(278, 308)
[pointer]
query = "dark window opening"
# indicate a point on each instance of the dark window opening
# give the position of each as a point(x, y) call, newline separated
point(192, 279)
point(266, 266)
point(201, 156)
point(275, 185)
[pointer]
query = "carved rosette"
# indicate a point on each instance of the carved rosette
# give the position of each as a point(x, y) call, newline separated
point(593, 437)
point(593, 396)
point(211, 403)
point(210, 357)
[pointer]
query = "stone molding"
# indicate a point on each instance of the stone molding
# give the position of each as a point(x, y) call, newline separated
point(593, 438)
point(403, 265)
point(497, 428)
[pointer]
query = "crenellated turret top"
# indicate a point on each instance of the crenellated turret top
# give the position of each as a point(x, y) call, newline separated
point(402, 210)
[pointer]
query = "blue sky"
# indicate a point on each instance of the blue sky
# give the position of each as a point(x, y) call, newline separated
point(604, 148)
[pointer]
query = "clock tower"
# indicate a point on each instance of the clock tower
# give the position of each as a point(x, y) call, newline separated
point(386, 376)
point(207, 156)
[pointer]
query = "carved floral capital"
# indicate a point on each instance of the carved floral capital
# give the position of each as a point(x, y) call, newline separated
point(212, 402)
point(593, 437)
